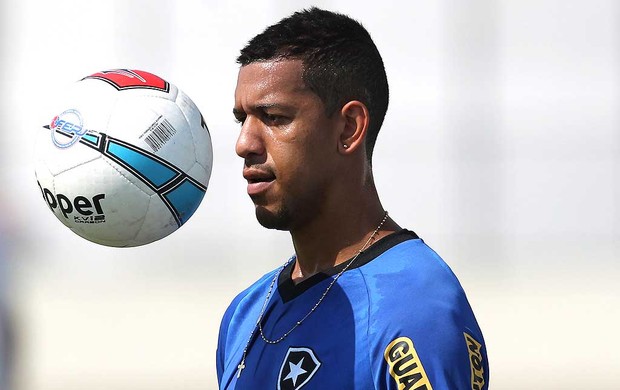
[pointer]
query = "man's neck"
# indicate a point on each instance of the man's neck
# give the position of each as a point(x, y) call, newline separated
point(333, 239)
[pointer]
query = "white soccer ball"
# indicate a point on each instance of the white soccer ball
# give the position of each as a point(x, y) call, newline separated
point(125, 160)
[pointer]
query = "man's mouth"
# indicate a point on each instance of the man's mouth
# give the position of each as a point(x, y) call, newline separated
point(258, 181)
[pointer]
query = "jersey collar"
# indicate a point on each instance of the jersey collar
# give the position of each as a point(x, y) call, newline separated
point(289, 290)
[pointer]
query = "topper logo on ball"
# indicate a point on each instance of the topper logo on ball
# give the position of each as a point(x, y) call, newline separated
point(129, 79)
point(70, 126)
point(79, 204)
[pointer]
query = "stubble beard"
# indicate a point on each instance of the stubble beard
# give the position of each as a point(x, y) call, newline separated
point(289, 213)
point(279, 219)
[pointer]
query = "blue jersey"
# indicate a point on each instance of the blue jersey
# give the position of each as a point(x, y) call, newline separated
point(396, 319)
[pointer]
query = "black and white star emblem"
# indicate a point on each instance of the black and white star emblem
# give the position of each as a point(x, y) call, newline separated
point(299, 366)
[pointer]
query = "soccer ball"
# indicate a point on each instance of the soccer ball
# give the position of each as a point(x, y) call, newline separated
point(125, 159)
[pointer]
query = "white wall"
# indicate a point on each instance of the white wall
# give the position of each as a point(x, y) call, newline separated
point(501, 148)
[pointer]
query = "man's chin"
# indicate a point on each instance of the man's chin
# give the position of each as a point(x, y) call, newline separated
point(278, 219)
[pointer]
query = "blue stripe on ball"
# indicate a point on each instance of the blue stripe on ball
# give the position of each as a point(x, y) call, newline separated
point(185, 199)
point(152, 170)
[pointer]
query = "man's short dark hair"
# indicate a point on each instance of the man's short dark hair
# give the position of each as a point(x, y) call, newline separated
point(341, 61)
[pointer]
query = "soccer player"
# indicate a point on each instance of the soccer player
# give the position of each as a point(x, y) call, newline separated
point(363, 303)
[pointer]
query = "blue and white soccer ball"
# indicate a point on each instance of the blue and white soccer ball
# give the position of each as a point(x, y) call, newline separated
point(126, 159)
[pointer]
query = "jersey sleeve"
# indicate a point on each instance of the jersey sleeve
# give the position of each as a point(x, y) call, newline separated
point(223, 347)
point(235, 329)
point(453, 363)
point(221, 340)
point(423, 333)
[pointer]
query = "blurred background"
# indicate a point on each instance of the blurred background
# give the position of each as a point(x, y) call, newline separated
point(501, 148)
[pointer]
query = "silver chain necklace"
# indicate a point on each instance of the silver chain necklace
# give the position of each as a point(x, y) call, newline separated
point(259, 324)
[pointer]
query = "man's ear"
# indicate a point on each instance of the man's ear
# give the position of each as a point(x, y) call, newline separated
point(356, 120)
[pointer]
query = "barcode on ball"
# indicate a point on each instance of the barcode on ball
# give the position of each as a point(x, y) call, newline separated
point(160, 132)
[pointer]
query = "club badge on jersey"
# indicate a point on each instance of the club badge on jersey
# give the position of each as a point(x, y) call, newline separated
point(299, 366)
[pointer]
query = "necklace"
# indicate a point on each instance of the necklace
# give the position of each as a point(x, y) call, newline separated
point(259, 324)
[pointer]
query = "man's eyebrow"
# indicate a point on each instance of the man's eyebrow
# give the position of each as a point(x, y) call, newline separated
point(265, 106)
point(238, 113)
point(262, 107)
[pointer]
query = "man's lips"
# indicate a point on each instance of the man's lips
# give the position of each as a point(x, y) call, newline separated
point(258, 180)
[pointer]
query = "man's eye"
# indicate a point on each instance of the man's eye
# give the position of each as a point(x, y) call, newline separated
point(272, 119)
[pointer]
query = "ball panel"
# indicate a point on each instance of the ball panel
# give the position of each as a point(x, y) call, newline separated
point(199, 173)
point(200, 133)
point(204, 155)
point(155, 225)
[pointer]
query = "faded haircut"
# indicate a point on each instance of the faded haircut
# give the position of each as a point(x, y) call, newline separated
point(340, 61)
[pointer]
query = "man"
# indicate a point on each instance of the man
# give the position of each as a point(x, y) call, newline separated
point(363, 303)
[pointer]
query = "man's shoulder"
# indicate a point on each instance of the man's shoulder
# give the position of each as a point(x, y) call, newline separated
point(419, 312)
point(259, 287)
point(412, 282)
point(247, 301)
point(415, 262)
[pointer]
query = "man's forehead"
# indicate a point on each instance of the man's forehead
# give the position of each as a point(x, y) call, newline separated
point(273, 76)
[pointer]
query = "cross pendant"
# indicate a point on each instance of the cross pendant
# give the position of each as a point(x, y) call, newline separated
point(240, 367)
